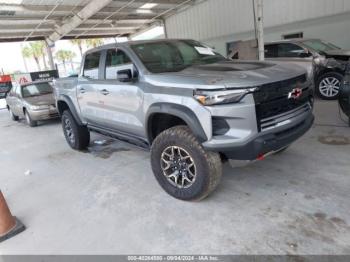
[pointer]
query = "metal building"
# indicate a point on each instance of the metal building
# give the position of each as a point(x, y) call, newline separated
point(218, 22)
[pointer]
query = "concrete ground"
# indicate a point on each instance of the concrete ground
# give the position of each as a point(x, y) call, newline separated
point(106, 201)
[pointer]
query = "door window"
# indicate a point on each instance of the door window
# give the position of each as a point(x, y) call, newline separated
point(271, 51)
point(283, 50)
point(91, 65)
point(289, 50)
point(116, 60)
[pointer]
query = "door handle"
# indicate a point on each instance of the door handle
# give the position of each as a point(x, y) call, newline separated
point(104, 92)
point(82, 90)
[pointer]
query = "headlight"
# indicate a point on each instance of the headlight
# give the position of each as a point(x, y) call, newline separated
point(208, 97)
point(319, 60)
point(41, 107)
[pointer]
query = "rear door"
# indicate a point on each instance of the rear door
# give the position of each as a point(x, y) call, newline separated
point(121, 100)
point(87, 94)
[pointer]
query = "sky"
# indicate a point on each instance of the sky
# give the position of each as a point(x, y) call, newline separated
point(11, 59)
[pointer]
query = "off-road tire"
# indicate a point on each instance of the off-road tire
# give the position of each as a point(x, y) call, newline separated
point(208, 164)
point(80, 132)
point(13, 116)
point(29, 120)
point(331, 75)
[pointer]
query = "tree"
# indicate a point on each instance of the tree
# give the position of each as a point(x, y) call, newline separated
point(79, 43)
point(26, 54)
point(65, 56)
point(37, 50)
point(94, 42)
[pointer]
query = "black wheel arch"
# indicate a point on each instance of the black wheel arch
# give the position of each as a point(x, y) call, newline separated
point(64, 102)
point(179, 111)
point(324, 71)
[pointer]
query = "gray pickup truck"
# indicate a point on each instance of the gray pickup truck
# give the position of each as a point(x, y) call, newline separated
point(190, 106)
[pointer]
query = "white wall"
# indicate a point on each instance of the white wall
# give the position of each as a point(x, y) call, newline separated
point(217, 22)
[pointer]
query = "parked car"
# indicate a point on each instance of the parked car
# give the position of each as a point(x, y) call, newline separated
point(33, 101)
point(5, 85)
point(188, 104)
point(322, 60)
point(344, 93)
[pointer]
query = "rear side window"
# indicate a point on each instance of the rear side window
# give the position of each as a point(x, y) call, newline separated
point(116, 60)
point(91, 65)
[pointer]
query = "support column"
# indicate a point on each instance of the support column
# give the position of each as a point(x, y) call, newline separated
point(49, 54)
point(164, 28)
point(260, 28)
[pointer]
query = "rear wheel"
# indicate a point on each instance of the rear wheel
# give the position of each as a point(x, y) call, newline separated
point(328, 85)
point(182, 167)
point(77, 136)
point(12, 115)
point(29, 120)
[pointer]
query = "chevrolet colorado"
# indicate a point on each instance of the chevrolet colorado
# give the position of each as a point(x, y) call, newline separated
point(188, 104)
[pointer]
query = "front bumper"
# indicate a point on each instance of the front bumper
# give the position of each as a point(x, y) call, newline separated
point(46, 114)
point(266, 143)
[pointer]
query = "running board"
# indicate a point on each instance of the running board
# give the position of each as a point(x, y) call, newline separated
point(139, 142)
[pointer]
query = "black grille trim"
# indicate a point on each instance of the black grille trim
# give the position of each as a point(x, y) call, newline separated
point(272, 99)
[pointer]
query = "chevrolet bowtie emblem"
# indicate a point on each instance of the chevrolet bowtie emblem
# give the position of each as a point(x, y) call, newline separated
point(295, 93)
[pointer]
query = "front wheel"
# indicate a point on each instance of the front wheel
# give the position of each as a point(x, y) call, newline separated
point(29, 120)
point(182, 167)
point(12, 115)
point(328, 85)
point(77, 136)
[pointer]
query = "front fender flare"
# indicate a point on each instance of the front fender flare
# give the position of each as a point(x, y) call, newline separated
point(183, 112)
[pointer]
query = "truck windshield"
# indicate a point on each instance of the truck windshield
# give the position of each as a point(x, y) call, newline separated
point(37, 89)
point(174, 56)
point(319, 46)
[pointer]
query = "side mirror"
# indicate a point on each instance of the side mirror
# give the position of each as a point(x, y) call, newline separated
point(124, 75)
point(305, 54)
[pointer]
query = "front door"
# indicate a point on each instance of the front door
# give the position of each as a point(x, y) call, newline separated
point(122, 101)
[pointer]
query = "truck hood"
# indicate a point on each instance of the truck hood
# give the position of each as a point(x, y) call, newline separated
point(227, 74)
point(338, 52)
point(40, 100)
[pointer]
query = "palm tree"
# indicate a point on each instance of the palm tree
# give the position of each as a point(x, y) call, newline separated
point(79, 43)
point(42, 46)
point(26, 54)
point(64, 56)
point(94, 42)
point(70, 55)
point(37, 52)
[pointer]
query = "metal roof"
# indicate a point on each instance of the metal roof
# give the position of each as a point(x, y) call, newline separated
point(24, 20)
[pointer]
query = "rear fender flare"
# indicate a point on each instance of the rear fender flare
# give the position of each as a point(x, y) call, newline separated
point(71, 107)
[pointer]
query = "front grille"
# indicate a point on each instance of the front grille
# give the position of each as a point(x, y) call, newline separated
point(272, 103)
point(274, 121)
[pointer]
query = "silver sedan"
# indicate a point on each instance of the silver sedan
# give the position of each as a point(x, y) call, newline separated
point(33, 101)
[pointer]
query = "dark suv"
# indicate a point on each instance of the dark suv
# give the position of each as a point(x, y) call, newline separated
point(323, 61)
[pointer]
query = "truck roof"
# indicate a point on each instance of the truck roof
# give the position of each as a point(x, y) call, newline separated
point(293, 40)
point(129, 43)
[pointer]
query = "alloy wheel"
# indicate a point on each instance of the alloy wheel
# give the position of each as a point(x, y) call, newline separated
point(69, 130)
point(178, 167)
point(27, 118)
point(329, 87)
